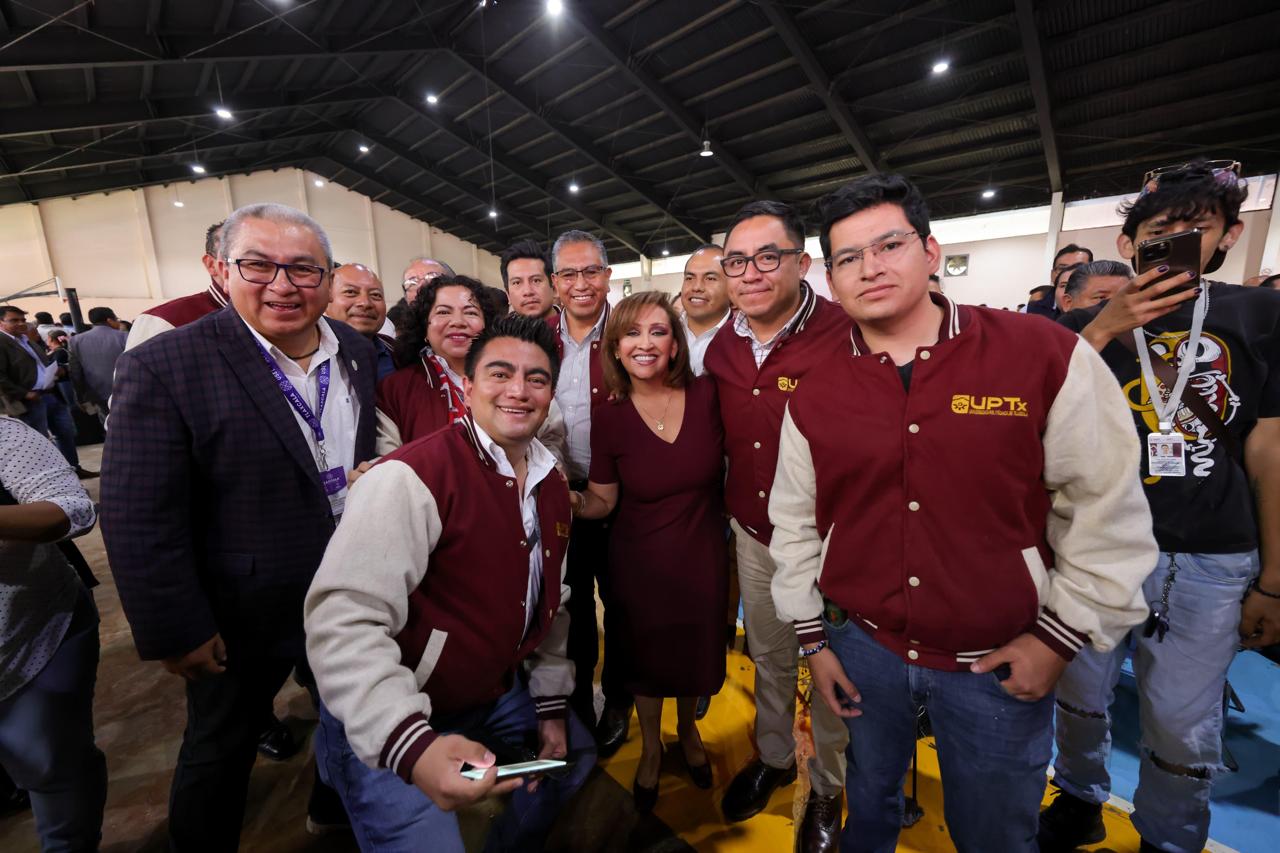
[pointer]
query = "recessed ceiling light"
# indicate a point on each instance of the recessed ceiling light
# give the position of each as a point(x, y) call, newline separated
point(364, 149)
point(197, 168)
point(178, 204)
point(988, 193)
point(573, 188)
point(706, 149)
point(318, 182)
point(432, 99)
point(942, 66)
point(222, 112)
point(666, 253)
point(493, 213)
point(555, 7)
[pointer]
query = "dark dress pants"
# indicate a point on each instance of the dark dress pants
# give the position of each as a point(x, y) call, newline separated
point(224, 719)
point(588, 558)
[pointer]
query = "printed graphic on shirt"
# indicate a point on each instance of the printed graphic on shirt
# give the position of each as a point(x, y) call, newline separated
point(974, 404)
point(1210, 378)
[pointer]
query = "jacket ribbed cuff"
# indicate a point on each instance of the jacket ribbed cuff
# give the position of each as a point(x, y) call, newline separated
point(1057, 635)
point(551, 707)
point(406, 744)
point(810, 631)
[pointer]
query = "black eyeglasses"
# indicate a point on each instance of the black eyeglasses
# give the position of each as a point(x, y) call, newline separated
point(766, 261)
point(259, 271)
point(569, 275)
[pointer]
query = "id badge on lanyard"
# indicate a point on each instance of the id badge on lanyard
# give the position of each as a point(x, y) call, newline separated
point(1166, 447)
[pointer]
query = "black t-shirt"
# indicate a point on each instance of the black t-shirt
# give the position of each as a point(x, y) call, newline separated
point(1211, 510)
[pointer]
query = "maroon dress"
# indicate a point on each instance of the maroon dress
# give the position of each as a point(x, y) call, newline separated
point(667, 579)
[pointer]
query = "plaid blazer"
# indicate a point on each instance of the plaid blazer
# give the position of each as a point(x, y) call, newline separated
point(213, 513)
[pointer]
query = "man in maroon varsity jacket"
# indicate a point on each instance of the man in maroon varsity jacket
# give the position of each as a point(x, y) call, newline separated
point(956, 513)
point(185, 309)
point(779, 332)
point(417, 645)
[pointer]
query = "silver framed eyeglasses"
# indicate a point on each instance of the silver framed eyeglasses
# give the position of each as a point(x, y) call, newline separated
point(569, 275)
point(262, 271)
point(887, 249)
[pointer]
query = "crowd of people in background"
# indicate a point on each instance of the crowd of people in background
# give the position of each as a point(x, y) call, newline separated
point(938, 508)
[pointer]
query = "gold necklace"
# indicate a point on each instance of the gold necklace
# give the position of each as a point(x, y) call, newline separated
point(658, 421)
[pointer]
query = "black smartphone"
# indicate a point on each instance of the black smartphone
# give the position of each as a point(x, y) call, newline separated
point(1179, 252)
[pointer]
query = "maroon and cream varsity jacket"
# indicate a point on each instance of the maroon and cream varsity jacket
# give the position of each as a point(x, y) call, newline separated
point(752, 400)
point(998, 496)
point(419, 605)
point(175, 313)
point(412, 403)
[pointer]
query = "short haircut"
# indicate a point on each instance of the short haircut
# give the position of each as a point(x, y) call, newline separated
point(448, 270)
point(708, 247)
point(1067, 271)
point(1042, 290)
point(500, 303)
point(1186, 194)
point(44, 317)
point(933, 277)
point(271, 212)
point(1071, 249)
point(213, 240)
point(100, 315)
point(1271, 281)
point(65, 318)
point(528, 329)
point(6, 310)
point(621, 318)
point(576, 236)
point(1083, 272)
point(57, 333)
point(867, 192)
point(525, 249)
point(792, 221)
point(411, 333)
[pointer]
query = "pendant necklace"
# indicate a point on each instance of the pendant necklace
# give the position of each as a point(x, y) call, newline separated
point(658, 421)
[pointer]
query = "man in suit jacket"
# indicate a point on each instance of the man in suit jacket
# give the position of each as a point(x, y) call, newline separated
point(93, 358)
point(225, 476)
point(29, 387)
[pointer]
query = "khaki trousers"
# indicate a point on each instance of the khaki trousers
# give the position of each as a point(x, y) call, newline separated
point(775, 650)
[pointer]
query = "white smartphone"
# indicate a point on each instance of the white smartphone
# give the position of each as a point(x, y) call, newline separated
point(521, 769)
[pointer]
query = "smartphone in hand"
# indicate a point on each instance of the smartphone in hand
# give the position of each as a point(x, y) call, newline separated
point(1179, 252)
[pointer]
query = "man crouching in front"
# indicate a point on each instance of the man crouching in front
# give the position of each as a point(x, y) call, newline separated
point(446, 573)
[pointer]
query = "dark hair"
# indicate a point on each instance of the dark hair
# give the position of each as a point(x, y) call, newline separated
point(57, 333)
point(1186, 194)
point(623, 317)
point(933, 277)
point(213, 240)
point(1271, 281)
point(500, 303)
point(1057, 277)
point(411, 335)
point(792, 221)
point(525, 249)
point(100, 315)
point(6, 310)
point(867, 192)
point(44, 317)
point(1041, 290)
point(1083, 272)
point(64, 318)
point(1071, 249)
point(710, 247)
point(528, 329)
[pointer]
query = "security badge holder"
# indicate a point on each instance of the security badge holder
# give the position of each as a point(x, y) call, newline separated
point(1166, 448)
point(1166, 452)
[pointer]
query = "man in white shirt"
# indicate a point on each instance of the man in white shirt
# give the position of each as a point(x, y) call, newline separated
point(705, 297)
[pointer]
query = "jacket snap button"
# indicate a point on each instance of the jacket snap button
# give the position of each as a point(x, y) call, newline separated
point(924, 354)
point(511, 482)
point(913, 580)
point(913, 654)
point(755, 392)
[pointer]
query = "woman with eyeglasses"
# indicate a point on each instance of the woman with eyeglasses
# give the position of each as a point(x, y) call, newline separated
point(445, 316)
point(657, 455)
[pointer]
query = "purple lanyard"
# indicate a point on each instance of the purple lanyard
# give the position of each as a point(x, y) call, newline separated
point(296, 400)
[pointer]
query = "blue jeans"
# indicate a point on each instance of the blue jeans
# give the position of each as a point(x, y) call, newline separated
point(993, 750)
point(1180, 684)
point(46, 740)
point(388, 814)
point(50, 413)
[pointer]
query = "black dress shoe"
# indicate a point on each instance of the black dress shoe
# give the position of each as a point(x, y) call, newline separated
point(645, 798)
point(749, 791)
point(820, 829)
point(704, 705)
point(325, 812)
point(701, 774)
point(84, 474)
point(277, 742)
point(612, 731)
point(1070, 822)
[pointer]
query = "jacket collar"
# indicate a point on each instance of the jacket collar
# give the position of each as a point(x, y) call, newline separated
point(954, 319)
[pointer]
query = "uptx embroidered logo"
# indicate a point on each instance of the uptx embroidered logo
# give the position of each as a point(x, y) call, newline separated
point(787, 385)
point(968, 404)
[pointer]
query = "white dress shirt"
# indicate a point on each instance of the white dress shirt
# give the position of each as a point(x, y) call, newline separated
point(698, 343)
point(573, 393)
point(538, 464)
point(341, 411)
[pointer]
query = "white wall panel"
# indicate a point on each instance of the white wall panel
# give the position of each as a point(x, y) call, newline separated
point(22, 255)
point(177, 233)
point(283, 186)
point(95, 245)
point(399, 239)
point(454, 252)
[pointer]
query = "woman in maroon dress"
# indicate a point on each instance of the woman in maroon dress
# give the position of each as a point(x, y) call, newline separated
point(657, 455)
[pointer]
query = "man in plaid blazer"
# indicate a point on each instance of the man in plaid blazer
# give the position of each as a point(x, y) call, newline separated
point(220, 492)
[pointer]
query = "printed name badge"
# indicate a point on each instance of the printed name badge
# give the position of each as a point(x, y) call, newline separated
point(1166, 454)
point(334, 481)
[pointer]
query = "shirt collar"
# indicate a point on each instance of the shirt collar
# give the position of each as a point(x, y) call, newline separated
point(538, 460)
point(795, 325)
point(595, 330)
point(328, 346)
point(953, 321)
point(684, 321)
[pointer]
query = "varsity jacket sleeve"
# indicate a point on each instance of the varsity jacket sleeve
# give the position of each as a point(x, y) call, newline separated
point(144, 328)
point(388, 434)
point(553, 433)
point(1099, 524)
point(359, 601)
point(550, 670)
point(797, 544)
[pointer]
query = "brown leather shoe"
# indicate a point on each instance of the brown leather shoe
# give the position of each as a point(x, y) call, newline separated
point(820, 829)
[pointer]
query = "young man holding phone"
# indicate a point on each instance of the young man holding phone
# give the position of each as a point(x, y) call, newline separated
point(419, 646)
point(1199, 362)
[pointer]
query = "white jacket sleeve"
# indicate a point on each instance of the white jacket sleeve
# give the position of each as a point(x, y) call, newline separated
point(550, 670)
point(553, 433)
point(387, 437)
point(144, 328)
point(1099, 524)
point(359, 601)
point(796, 546)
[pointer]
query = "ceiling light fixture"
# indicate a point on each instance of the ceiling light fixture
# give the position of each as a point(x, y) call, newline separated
point(493, 213)
point(223, 112)
point(197, 168)
point(942, 66)
point(364, 149)
point(573, 187)
point(706, 149)
point(666, 253)
point(318, 182)
point(432, 99)
point(178, 203)
point(988, 193)
point(554, 7)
